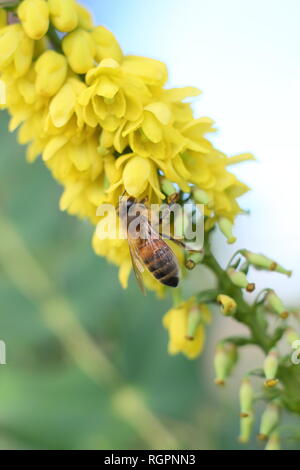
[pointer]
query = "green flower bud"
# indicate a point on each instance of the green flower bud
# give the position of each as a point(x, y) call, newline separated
point(273, 442)
point(263, 262)
point(194, 259)
point(201, 196)
point(194, 320)
point(226, 228)
point(246, 398)
point(291, 336)
point(246, 427)
point(269, 421)
point(270, 369)
point(225, 359)
point(239, 279)
point(274, 302)
point(167, 187)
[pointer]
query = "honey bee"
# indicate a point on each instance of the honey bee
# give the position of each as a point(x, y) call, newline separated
point(147, 247)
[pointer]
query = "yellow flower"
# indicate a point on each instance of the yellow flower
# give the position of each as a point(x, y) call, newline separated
point(51, 69)
point(152, 134)
point(72, 161)
point(63, 14)
point(228, 304)
point(80, 50)
point(16, 50)
point(34, 16)
point(85, 20)
point(22, 100)
point(111, 96)
point(139, 176)
point(151, 71)
point(176, 321)
point(107, 47)
point(119, 130)
point(64, 109)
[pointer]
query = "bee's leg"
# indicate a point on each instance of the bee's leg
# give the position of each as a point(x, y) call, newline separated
point(181, 243)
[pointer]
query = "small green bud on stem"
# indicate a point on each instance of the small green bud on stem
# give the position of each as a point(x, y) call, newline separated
point(263, 262)
point(193, 259)
point(194, 320)
point(201, 196)
point(276, 305)
point(246, 398)
point(239, 279)
point(269, 421)
point(246, 427)
point(225, 359)
point(270, 369)
point(226, 227)
point(169, 190)
point(273, 442)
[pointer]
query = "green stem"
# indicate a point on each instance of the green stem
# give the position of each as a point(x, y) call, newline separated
point(54, 38)
point(246, 313)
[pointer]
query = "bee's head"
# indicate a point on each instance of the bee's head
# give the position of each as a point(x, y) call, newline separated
point(124, 205)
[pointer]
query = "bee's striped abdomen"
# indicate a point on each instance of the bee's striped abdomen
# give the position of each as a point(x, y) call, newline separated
point(161, 262)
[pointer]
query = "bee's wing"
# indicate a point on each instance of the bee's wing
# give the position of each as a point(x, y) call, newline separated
point(137, 265)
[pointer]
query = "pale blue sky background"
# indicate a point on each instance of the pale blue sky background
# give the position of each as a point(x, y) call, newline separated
point(244, 56)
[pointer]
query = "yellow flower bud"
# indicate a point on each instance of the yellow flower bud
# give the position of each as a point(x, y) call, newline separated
point(246, 427)
point(273, 442)
point(246, 398)
point(262, 262)
point(34, 16)
point(226, 228)
point(106, 45)
point(3, 18)
point(79, 48)
point(85, 20)
point(239, 279)
point(228, 304)
point(271, 364)
point(151, 71)
point(63, 14)
point(275, 303)
point(16, 49)
point(225, 359)
point(136, 175)
point(269, 421)
point(51, 69)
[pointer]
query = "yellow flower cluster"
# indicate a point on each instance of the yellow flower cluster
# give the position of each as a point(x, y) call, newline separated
point(104, 122)
point(186, 326)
